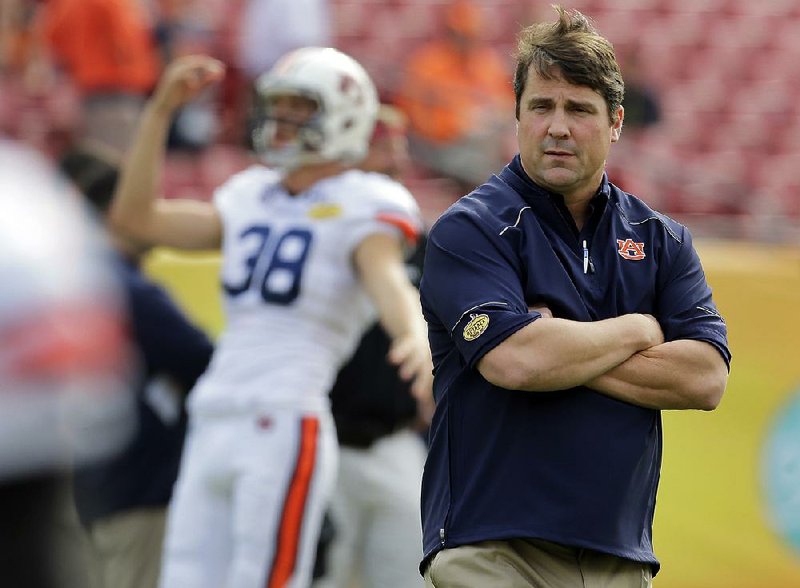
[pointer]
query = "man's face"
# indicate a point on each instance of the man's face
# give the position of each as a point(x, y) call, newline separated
point(289, 111)
point(564, 135)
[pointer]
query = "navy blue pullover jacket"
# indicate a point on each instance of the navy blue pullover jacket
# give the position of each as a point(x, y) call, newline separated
point(169, 347)
point(574, 467)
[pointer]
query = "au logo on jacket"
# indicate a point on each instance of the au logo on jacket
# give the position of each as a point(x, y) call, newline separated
point(630, 250)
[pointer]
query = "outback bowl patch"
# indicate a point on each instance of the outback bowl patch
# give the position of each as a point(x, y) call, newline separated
point(323, 211)
point(476, 326)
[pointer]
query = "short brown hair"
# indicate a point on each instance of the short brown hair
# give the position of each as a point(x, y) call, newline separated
point(580, 54)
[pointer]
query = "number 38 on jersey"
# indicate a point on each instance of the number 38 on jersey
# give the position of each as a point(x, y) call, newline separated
point(271, 261)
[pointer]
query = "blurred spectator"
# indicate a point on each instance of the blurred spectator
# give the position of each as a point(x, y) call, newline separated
point(63, 365)
point(271, 28)
point(388, 148)
point(15, 33)
point(108, 50)
point(642, 115)
point(123, 501)
point(36, 106)
point(187, 27)
point(183, 27)
point(375, 516)
point(642, 104)
point(264, 31)
point(457, 95)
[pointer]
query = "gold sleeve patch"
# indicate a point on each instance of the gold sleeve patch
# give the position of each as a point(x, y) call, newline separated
point(325, 210)
point(476, 326)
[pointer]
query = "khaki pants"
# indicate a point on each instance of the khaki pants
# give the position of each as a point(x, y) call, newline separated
point(126, 548)
point(520, 563)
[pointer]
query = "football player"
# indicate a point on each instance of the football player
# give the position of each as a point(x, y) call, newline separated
point(313, 249)
point(374, 532)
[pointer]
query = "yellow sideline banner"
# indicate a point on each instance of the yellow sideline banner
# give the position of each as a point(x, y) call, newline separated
point(728, 513)
point(193, 279)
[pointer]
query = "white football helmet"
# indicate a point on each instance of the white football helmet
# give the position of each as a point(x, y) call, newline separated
point(347, 104)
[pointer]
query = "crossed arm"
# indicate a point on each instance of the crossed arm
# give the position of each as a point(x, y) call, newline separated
point(624, 357)
point(682, 374)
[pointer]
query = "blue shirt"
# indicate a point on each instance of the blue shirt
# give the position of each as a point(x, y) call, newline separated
point(574, 467)
point(170, 347)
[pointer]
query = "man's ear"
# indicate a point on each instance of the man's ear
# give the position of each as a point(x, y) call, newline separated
point(616, 127)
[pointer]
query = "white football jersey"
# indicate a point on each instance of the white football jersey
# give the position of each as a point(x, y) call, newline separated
point(295, 309)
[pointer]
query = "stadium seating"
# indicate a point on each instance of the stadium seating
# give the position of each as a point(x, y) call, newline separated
point(726, 72)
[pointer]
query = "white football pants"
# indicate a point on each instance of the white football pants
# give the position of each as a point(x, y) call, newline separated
point(249, 501)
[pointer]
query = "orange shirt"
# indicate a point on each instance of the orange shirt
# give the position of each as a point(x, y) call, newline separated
point(105, 45)
point(446, 94)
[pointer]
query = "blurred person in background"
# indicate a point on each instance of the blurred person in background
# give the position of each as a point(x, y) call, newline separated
point(312, 250)
point(642, 102)
point(15, 34)
point(122, 501)
point(643, 114)
point(564, 315)
point(264, 31)
point(374, 510)
point(64, 364)
point(269, 29)
point(107, 48)
point(37, 107)
point(190, 27)
point(455, 92)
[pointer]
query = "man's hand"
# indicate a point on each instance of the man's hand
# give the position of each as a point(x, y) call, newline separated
point(184, 79)
point(541, 309)
point(653, 327)
point(412, 356)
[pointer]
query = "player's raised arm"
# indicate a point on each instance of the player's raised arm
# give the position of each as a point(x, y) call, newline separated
point(137, 211)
